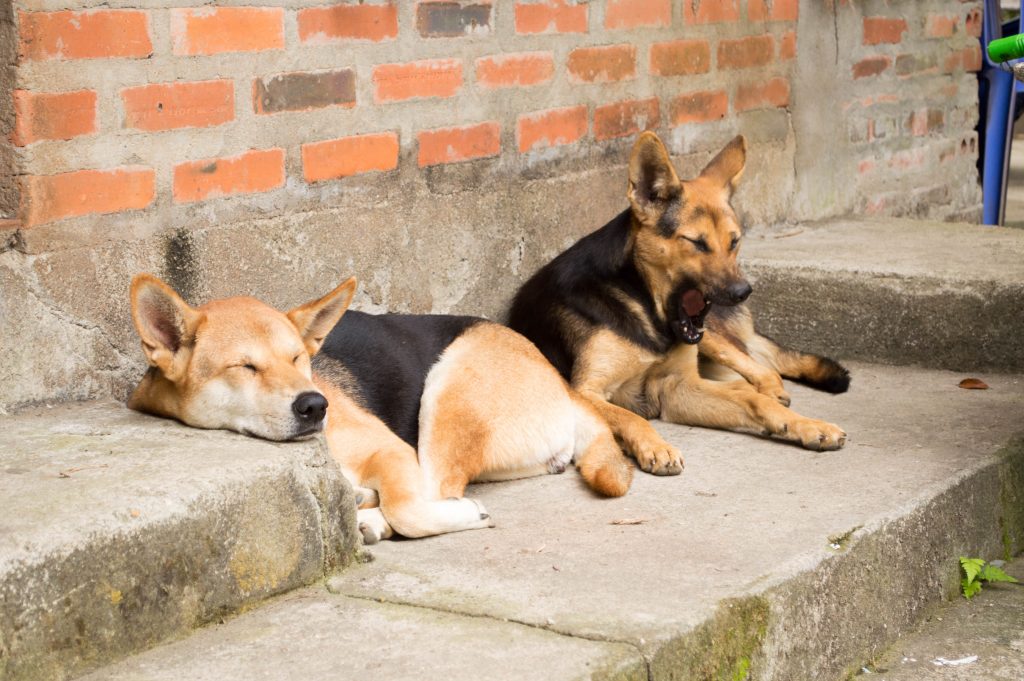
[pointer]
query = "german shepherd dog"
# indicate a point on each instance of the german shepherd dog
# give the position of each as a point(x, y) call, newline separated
point(414, 406)
point(624, 313)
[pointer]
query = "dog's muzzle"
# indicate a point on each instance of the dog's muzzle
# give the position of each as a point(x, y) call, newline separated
point(309, 409)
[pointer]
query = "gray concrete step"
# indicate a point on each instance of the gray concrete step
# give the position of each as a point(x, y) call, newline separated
point(979, 639)
point(896, 291)
point(120, 530)
point(761, 561)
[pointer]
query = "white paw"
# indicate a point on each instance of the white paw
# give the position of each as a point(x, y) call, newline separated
point(372, 525)
point(473, 513)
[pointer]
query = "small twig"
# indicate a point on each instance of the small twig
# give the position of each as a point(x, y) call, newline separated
point(629, 521)
point(66, 473)
point(788, 234)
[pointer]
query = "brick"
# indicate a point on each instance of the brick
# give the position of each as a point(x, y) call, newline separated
point(923, 121)
point(452, 19)
point(622, 119)
point(865, 167)
point(453, 145)
point(248, 173)
point(967, 59)
point(743, 53)
point(90, 34)
point(907, 159)
point(318, 25)
point(883, 30)
point(551, 16)
point(773, 10)
point(510, 70)
point(47, 198)
point(166, 106)
point(972, 23)
point(787, 45)
point(52, 116)
point(302, 91)
point(552, 128)
point(698, 107)
point(940, 25)
point(917, 122)
point(602, 64)
point(337, 158)
point(871, 66)
point(428, 78)
point(710, 11)
point(636, 13)
point(760, 95)
point(213, 30)
point(680, 58)
point(907, 64)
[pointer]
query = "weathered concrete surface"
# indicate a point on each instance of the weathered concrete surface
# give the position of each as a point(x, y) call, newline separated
point(120, 530)
point(761, 557)
point(930, 293)
point(312, 634)
point(990, 627)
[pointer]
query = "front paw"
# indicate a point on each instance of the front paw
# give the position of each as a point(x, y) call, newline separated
point(818, 435)
point(772, 387)
point(658, 457)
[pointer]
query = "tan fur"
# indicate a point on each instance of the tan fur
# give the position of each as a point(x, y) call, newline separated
point(492, 407)
point(628, 384)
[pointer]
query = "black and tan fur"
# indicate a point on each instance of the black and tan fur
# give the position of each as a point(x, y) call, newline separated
point(413, 407)
point(609, 313)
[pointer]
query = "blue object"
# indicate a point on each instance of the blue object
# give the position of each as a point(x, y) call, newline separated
point(997, 91)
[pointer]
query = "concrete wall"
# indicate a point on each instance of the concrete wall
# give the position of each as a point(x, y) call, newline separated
point(439, 150)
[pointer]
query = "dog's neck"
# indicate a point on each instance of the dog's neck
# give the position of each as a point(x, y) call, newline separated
point(659, 285)
point(156, 395)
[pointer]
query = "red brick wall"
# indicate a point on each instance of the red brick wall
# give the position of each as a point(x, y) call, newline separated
point(911, 106)
point(251, 109)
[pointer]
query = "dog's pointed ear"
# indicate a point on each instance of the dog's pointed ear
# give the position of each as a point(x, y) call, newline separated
point(726, 168)
point(652, 179)
point(315, 319)
point(166, 324)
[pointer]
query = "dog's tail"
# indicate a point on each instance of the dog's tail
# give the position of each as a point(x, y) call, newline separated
point(598, 456)
point(816, 371)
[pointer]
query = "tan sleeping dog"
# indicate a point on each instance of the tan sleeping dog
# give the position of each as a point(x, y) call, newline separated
point(414, 406)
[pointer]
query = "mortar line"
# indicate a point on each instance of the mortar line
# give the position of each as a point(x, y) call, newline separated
point(531, 625)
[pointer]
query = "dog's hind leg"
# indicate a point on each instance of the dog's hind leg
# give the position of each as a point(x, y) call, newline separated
point(816, 371)
point(762, 376)
point(598, 456)
point(406, 503)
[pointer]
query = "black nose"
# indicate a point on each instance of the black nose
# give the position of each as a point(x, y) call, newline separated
point(310, 407)
point(739, 291)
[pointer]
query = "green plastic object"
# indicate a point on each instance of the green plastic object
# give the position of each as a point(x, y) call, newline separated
point(1006, 49)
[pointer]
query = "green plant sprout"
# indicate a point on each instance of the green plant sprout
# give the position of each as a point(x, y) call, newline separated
point(977, 571)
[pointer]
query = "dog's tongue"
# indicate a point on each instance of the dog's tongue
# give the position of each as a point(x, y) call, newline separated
point(693, 302)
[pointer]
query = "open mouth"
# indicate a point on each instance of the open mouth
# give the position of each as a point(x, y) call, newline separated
point(693, 307)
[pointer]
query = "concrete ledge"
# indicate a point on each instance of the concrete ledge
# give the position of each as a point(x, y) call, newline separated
point(899, 291)
point(124, 530)
point(761, 559)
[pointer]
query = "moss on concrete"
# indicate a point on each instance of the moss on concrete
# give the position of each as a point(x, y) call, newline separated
point(1011, 498)
point(724, 648)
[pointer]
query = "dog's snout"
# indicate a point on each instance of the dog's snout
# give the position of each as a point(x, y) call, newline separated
point(310, 407)
point(739, 291)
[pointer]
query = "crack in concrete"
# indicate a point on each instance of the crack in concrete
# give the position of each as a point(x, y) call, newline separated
point(475, 615)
